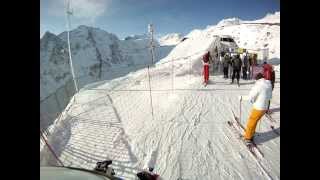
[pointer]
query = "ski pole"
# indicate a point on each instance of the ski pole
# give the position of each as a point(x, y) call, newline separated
point(240, 109)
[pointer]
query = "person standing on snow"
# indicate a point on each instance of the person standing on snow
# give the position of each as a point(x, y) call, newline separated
point(206, 60)
point(269, 74)
point(236, 66)
point(226, 62)
point(259, 96)
point(222, 56)
point(245, 67)
point(267, 71)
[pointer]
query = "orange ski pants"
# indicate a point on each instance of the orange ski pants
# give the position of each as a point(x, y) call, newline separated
point(253, 120)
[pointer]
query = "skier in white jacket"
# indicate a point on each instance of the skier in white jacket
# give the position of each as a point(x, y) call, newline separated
point(259, 96)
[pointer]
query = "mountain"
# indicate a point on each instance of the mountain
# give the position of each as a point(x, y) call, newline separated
point(54, 64)
point(97, 55)
point(253, 35)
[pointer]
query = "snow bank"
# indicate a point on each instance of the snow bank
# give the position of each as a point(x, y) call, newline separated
point(170, 39)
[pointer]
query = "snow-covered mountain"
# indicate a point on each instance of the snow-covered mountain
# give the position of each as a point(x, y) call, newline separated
point(253, 35)
point(97, 55)
point(170, 39)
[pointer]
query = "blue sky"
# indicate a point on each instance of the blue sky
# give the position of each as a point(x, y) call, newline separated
point(128, 17)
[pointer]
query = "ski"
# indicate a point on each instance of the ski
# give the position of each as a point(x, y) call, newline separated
point(253, 149)
point(240, 126)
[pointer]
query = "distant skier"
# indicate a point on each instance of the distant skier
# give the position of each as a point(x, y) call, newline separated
point(226, 62)
point(245, 67)
point(236, 66)
point(206, 61)
point(259, 96)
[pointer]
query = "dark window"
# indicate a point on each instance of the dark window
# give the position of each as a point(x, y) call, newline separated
point(227, 39)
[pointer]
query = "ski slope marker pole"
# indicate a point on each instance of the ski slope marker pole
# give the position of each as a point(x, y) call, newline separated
point(240, 109)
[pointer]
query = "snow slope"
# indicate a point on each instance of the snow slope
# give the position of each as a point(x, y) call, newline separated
point(170, 39)
point(187, 138)
point(249, 34)
point(183, 135)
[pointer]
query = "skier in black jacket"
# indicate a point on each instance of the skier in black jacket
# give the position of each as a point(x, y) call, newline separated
point(226, 62)
point(236, 66)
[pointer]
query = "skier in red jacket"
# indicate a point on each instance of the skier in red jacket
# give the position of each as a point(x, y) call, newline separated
point(269, 74)
point(267, 71)
point(206, 60)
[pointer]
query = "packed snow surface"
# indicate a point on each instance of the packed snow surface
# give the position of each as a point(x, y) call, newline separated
point(170, 39)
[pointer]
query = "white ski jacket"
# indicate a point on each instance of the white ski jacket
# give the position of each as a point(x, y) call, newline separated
point(260, 94)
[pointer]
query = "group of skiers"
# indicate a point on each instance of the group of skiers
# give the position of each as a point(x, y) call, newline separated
point(261, 93)
point(235, 65)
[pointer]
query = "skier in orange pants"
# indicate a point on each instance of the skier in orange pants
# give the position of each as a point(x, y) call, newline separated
point(260, 95)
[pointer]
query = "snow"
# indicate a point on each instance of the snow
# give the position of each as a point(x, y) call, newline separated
point(187, 137)
point(170, 39)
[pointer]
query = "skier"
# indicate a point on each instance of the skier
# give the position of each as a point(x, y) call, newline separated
point(226, 62)
point(259, 96)
point(245, 67)
point(206, 60)
point(236, 66)
point(273, 79)
point(250, 67)
point(267, 71)
point(220, 63)
point(148, 175)
point(268, 75)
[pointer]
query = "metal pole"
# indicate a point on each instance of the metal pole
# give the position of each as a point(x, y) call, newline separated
point(240, 109)
point(190, 69)
point(68, 13)
point(151, 30)
point(151, 104)
point(172, 67)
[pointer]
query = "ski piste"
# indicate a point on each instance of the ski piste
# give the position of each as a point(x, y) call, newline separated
point(269, 117)
point(272, 127)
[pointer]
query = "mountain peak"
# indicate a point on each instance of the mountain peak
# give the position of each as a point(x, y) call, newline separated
point(230, 22)
point(170, 39)
point(48, 34)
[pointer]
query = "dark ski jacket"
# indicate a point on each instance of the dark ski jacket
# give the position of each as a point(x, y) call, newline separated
point(236, 63)
point(206, 57)
point(226, 62)
point(246, 61)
